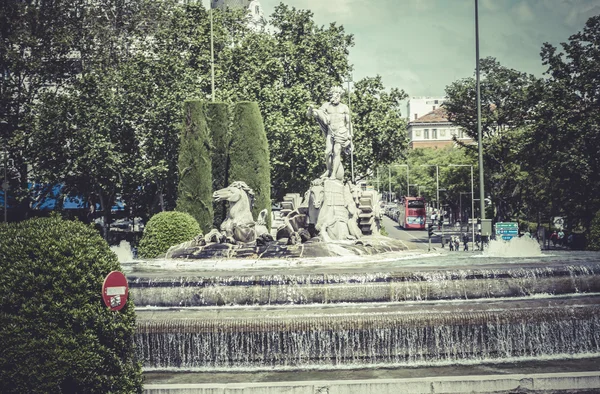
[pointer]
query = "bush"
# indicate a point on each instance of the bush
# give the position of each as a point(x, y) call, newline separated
point(166, 229)
point(56, 334)
point(194, 191)
point(249, 155)
point(594, 238)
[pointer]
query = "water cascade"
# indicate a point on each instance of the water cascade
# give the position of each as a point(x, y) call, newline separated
point(315, 314)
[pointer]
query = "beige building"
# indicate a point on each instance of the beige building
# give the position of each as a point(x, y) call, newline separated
point(434, 130)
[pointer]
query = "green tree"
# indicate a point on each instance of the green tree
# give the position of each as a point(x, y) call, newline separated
point(217, 116)
point(57, 335)
point(249, 155)
point(166, 229)
point(195, 166)
point(566, 127)
point(508, 98)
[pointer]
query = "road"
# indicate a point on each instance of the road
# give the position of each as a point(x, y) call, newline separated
point(417, 239)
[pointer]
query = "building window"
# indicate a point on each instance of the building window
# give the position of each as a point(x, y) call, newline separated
point(418, 133)
point(257, 10)
point(436, 101)
point(461, 134)
point(426, 134)
point(443, 132)
point(434, 134)
point(434, 108)
point(415, 116)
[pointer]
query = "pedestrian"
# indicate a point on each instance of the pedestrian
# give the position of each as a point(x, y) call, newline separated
point(466, 242)
point(561, 237)
point(478, 240)
point(554, 238)
point(451, 245)
point(570, 241)
point(456, 244)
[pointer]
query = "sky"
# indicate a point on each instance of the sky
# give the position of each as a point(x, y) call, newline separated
point(421, 46)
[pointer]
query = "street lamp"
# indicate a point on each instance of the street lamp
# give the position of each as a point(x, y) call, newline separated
point(389, 172)
point(437, 182)
point(348, 79)
point(472, 200)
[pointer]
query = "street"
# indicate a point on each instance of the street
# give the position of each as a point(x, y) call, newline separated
point(417, 239)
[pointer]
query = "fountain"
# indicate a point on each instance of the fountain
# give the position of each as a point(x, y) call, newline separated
point(339, 307)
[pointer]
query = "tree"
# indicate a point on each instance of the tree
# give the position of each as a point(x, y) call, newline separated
point(508, 99)
point(378, 127)
point(249, 155)
point(566, 130)
point(195, 166)
point(217, 116)
point(56, 333)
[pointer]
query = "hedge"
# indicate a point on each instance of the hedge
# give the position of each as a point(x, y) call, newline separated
point(166, 229)
point(194, 192)
point(56, 334)
point(217, 117)
point(249, 155)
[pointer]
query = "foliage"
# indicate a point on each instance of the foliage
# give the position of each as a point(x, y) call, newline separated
point(217, 117)
point(566, 131)
point(195, 166)
point(508, 98)
point(166, 229)
point(378, 127)
point(56, 333)
point(249, 155)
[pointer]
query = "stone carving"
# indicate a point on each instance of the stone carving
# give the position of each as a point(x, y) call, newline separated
point(334, 119)
point(239, 225)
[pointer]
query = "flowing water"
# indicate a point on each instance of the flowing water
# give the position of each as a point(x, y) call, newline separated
point(510, 302)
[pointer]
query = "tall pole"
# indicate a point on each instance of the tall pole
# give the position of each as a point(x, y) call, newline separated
point(212, 58)
point(407, 188)
point(389, 184)
point(437, 186)
point(5, 184)
point(480, 145)
point(350, 129)
point(472, 211)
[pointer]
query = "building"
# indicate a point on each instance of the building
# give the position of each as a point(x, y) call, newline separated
point(434, 130)
point(255, 11)
point(419, 106)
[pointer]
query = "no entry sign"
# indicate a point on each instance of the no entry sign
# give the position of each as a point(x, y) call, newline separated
point(115, 290)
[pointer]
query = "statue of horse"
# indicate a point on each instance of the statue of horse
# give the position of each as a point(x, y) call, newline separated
point(239, 225)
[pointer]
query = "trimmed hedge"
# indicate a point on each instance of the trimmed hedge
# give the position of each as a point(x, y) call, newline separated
point(166, 229)
point(594, 239)
point(56, 334)
point(217, 117)
point(194, 192)
point(249, 155)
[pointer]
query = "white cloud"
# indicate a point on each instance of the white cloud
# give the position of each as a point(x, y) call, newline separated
point(524, 12)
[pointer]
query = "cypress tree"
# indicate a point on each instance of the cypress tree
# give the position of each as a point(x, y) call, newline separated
point(194, 192)
point(249, 155)
point(217, 117)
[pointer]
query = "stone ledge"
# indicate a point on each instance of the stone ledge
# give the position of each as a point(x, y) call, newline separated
point(571, 382)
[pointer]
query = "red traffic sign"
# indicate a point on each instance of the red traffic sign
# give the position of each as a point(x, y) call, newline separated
point(115, 290)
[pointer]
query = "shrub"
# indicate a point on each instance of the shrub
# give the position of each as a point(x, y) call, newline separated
point(166, 229)
point(249, 155)
point(594, 238)
point(194, 191)
point(56, 334)
point(217, 117)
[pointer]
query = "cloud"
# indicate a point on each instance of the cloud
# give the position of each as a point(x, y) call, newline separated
point(524, 12)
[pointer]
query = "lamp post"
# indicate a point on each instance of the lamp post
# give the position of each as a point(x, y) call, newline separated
point(437, 182)
point(212, 58)
point(401, 165)
point(472, 201)
point(5, 184)
point(349, 80)
point(479, 144)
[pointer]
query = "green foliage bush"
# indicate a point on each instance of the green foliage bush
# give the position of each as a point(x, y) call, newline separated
point(194, 192)
point(249, 155)
point(56, 334)
point(594, 238)
point(217, 117)
point(166, 229)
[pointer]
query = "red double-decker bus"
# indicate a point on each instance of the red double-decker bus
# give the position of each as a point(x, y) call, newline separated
point(412, 213)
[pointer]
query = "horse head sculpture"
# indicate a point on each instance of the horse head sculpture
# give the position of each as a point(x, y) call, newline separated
point(239, 223)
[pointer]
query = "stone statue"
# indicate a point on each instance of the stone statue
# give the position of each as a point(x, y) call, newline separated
point(239, 225)
point(334, 119)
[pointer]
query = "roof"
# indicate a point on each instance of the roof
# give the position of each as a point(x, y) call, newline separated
point(438, 115)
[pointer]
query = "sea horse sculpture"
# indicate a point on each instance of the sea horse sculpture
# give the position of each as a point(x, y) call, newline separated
point(239, 225)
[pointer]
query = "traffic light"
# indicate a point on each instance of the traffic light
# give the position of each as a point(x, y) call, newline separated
point(430, 229)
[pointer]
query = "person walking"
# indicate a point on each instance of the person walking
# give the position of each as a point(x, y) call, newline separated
point(561, 237)
point(466, 242)
point(478, 240)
